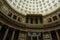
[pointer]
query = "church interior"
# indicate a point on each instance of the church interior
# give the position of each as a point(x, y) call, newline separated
point(29, 19)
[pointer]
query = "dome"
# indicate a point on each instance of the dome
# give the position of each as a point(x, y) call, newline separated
point(29, 19)
point(43, 7)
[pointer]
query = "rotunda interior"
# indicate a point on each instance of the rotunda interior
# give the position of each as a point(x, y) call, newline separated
point(29, 19)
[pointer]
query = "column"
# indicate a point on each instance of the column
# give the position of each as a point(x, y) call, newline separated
point(5, 34)
point(13, 35)
point(57, 35)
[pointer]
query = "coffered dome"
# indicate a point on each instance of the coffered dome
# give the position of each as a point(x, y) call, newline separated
point(43, 7)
